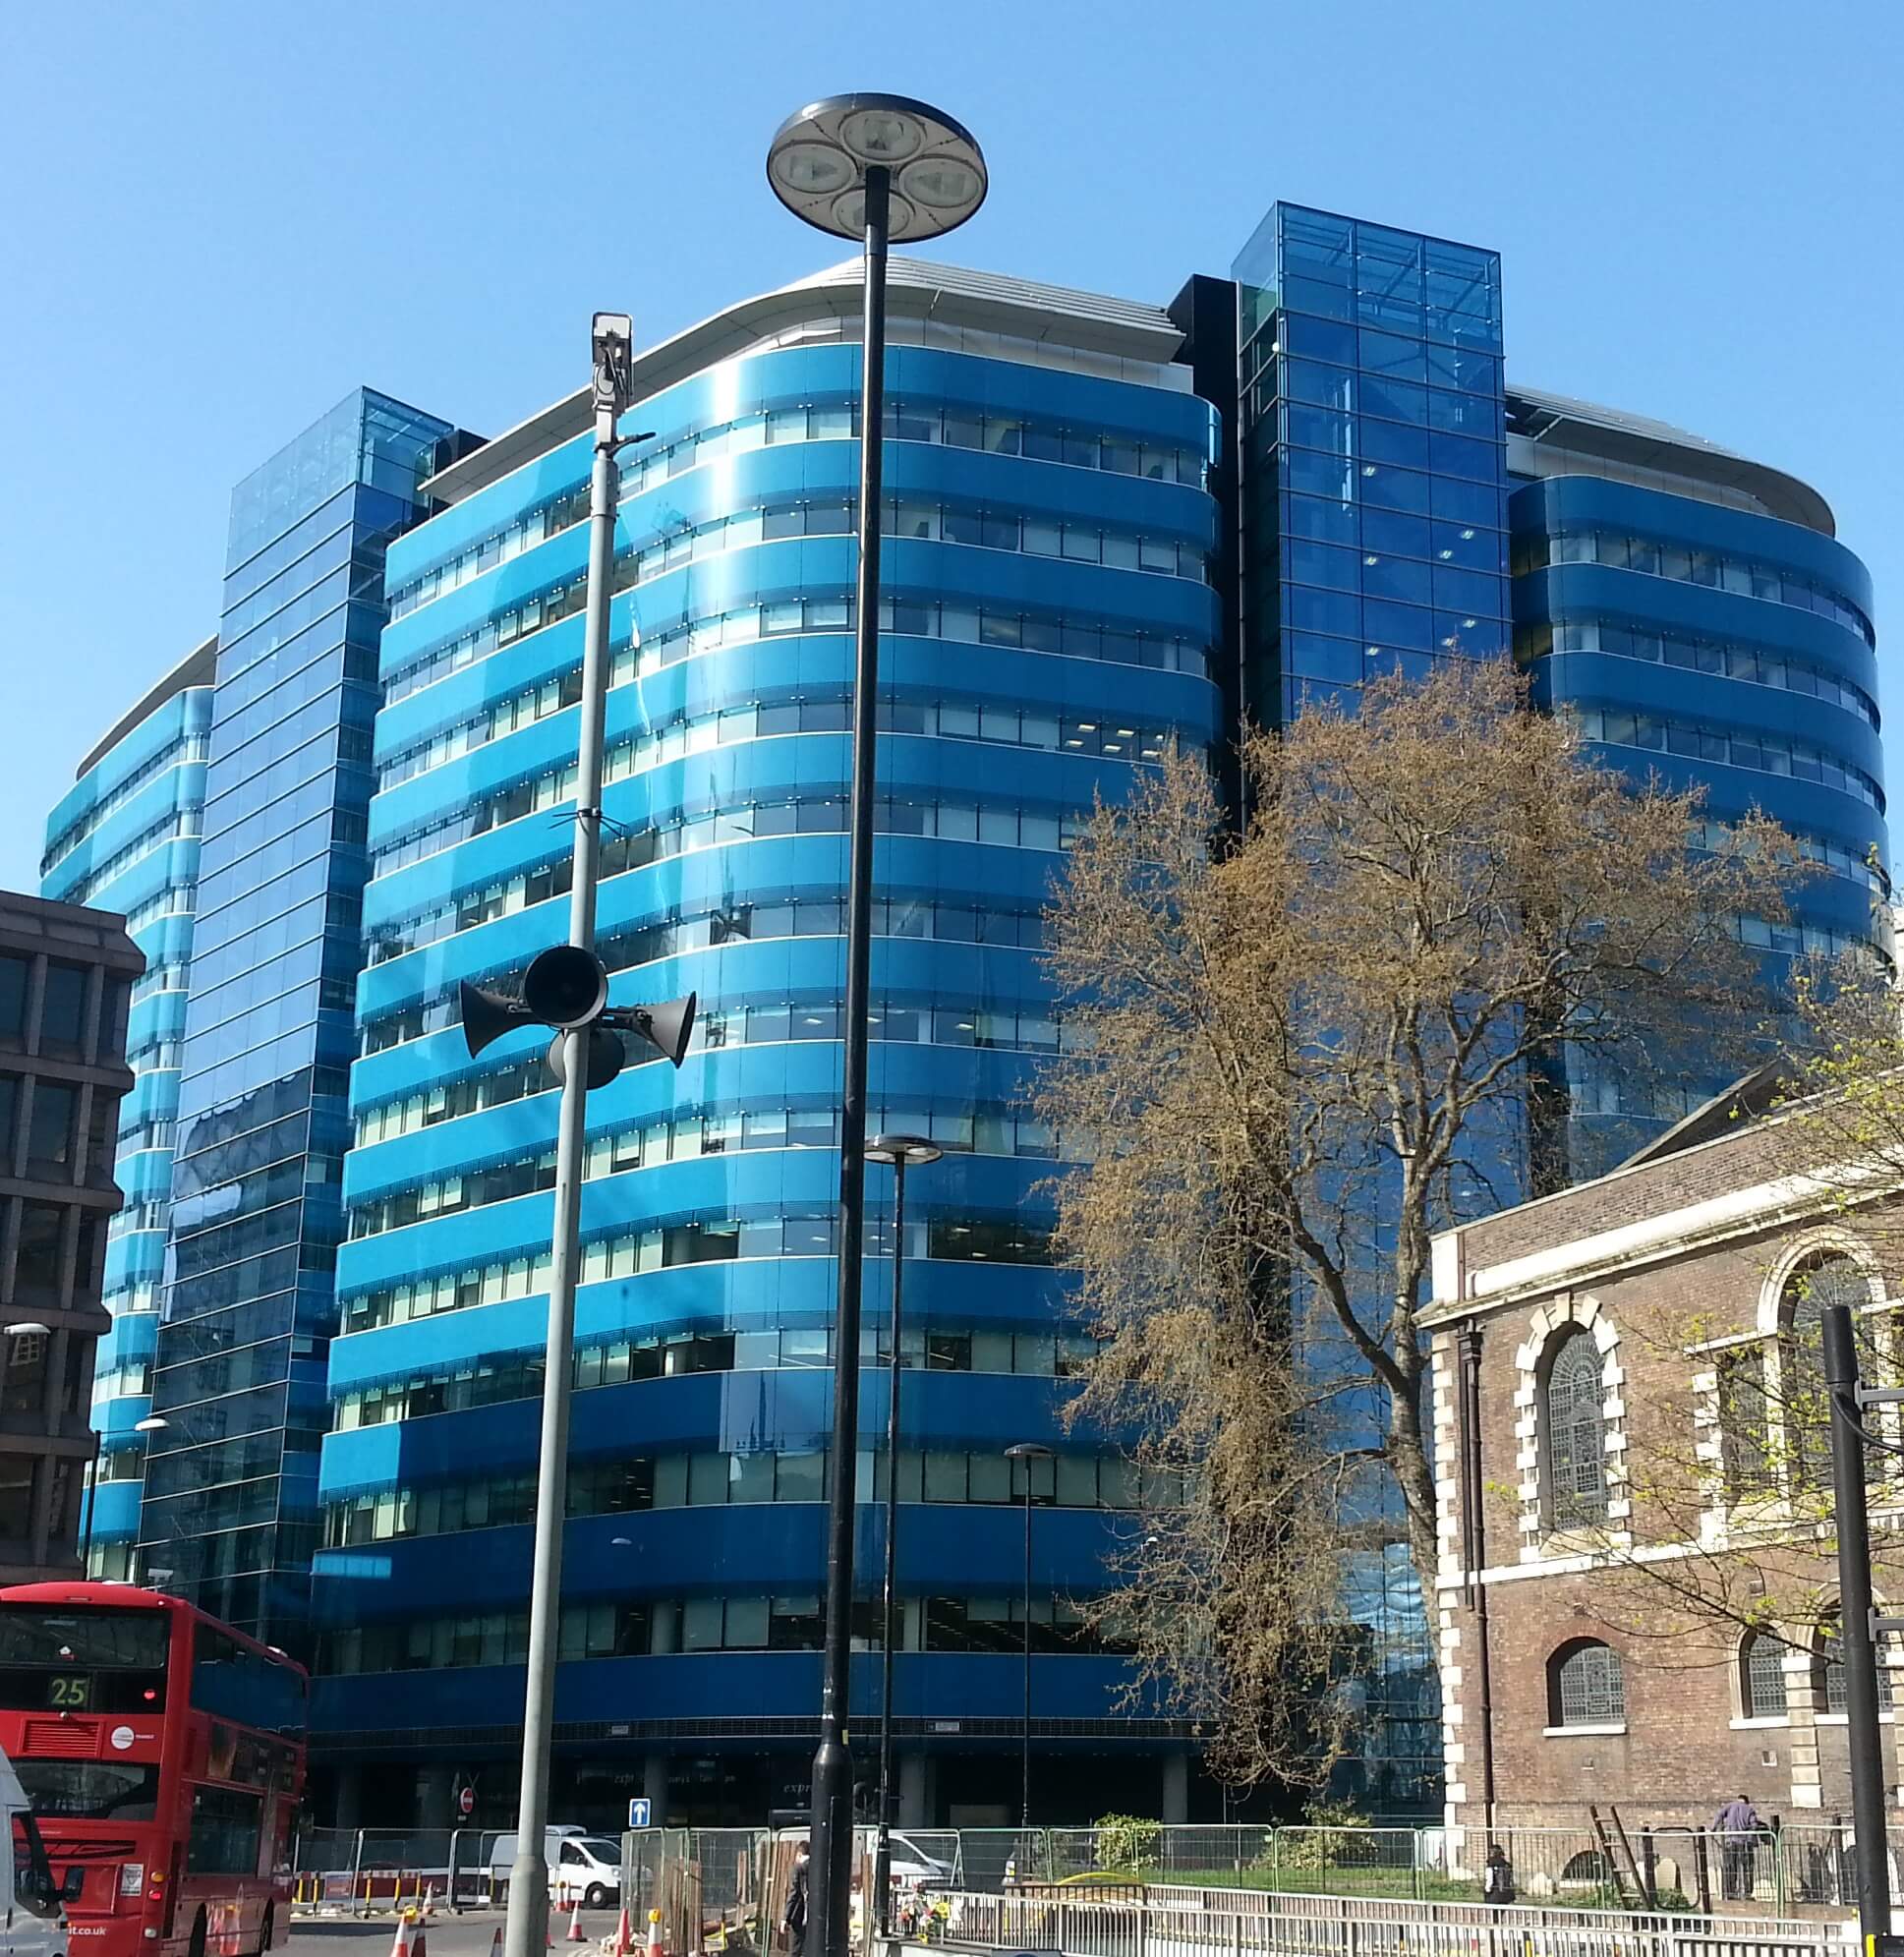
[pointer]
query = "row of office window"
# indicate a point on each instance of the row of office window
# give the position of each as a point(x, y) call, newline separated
point(176, 900)
point(52, 1144)
point(1041, 1355)
point(699, 1481)
point(830, 711)
point(168, 828)
point(708, 1624)
point(1054, 825)
point(991, 1130)
point(959, 1025)
point(175, 754)
point(61, 1025)
point(1863, 871)
point(1686, 564)
point(1737, 747)
point(672, 934)
point(953, 1238)
point(928, 422)
point(522, 532)
point(1386, 397)
point(1759, 665)
point(1083, 541)
point(668, 643)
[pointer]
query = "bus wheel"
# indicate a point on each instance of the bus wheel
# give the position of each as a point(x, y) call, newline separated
point(269, 1935)
point(196, 1948)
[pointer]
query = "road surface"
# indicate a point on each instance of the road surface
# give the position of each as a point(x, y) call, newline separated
point(469, 1936)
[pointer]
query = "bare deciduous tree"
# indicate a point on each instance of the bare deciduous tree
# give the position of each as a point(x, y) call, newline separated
point(1302, 1051)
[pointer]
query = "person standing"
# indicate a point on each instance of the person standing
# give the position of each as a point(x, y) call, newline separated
point(795, 1918)
point(1738, 1828)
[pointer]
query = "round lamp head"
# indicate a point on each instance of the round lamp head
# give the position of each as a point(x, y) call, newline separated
point(916, 1151)
point(818, 163)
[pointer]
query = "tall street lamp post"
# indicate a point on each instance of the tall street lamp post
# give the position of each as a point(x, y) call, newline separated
point(869, 167)
point(1028, 1454)
point(901, 1152)
point(567, 988)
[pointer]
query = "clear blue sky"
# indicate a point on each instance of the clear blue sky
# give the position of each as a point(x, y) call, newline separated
point(220, 218)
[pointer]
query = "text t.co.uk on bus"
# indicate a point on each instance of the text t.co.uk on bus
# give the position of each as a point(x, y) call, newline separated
point(163, 1754)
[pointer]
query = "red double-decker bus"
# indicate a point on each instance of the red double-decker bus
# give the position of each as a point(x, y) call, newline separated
point(163, 1754)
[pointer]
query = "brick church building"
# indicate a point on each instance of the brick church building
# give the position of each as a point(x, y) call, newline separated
point(1637, 1582)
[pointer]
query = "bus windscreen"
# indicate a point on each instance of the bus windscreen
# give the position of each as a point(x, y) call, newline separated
point(83, 1660)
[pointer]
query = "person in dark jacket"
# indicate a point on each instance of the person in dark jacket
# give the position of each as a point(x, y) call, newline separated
point(795, 1918)
point(1497, 1877)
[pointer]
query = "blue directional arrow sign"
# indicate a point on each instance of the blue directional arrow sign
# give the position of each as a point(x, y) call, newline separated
point(638, 1814)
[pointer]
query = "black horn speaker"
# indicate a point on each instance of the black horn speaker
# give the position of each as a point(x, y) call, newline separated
point(566, 986)
point(607, 1057)
point(667, 1028)
point(487, 1015)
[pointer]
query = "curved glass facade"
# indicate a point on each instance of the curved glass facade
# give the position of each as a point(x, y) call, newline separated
point(1723, 647)
point(1048, 625)
point(125, 837)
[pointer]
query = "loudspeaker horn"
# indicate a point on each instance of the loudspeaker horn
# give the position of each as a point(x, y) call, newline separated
point(487, 1015)
point(566, 986)
point(607, 1057)
point(666, 1027)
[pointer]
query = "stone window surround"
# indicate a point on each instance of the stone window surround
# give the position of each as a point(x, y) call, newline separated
point(1566, 1309)
point(1807, 1246)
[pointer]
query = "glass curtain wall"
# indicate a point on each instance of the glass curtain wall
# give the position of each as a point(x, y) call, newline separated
point(230, 1503)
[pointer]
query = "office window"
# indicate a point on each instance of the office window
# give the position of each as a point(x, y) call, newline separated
point(62, 1015)
point(49, 1131)
point(14, 973)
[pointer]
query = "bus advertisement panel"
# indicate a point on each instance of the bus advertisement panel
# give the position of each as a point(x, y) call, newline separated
point(164, 1754)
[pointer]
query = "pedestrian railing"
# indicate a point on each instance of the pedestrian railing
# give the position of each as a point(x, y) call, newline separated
point(1177, 1922)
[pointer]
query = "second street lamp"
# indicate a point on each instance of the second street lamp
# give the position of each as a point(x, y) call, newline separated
point(870, 167)
point(1027, 1454)
point(901, 1152)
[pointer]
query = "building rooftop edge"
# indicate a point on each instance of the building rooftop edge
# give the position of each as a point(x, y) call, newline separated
point(1640, 440)
point(198, 667)
point(916, 289)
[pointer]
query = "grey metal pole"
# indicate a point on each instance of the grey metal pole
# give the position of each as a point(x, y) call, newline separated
point(889, 1637)
point(1855, 1625)
point(829, 1897)
point(1024, 1814)
point(528, 1926)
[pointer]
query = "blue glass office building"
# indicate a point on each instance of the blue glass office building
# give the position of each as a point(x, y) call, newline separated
point(125, 837)
point(1693, 611)
point(1110, 525)
point(229, 1505)
point(1050, 623)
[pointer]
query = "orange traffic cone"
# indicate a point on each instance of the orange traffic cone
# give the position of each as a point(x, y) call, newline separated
point(654, 1948)
point(575, 1923)
point(406, 1940)
point(495, 1942)
point(624, 1934)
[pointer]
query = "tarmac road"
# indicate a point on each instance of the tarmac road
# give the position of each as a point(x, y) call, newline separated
point(469, 1936)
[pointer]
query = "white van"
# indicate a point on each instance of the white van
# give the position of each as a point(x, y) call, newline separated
point(35, 1919)
point(583, 1868)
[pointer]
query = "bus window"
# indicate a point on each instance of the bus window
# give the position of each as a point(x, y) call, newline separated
point(91, 1790)
point(226, 1824)
point(244, 1686)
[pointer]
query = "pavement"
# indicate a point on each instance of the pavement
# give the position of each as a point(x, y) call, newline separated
point(470, 1935)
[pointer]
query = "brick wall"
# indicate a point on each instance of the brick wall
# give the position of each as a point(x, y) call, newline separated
point(1685, 1745)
